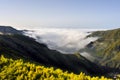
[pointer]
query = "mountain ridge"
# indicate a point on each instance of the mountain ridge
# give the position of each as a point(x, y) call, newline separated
point(106, 48)
point(9, 30)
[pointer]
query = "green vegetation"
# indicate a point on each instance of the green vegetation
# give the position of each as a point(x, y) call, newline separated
point(19, 70)
point(107, 48)
point(23, 47)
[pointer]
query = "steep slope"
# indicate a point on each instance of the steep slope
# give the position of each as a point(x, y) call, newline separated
point(20, 46)
point(106, 48)
point(17, 46)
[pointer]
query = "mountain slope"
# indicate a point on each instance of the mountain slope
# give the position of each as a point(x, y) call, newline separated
point(9, 30)
point(20, 46)
point(19, 70)
point(15, 45)
point(106, 48)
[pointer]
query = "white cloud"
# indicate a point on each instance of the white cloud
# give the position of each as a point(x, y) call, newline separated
point(64, 40)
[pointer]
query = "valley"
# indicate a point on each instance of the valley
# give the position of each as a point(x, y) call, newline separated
point(98, 58)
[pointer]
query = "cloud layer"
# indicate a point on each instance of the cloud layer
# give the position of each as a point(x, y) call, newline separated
point(63, 40)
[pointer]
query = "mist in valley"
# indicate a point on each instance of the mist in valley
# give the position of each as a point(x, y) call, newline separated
point(63, 40)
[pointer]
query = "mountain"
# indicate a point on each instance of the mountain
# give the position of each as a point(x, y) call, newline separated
point(106, 49)
point(18, 46)
point(9, 30)
point(15, 45)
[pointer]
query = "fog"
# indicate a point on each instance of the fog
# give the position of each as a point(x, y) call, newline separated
point(63, 40)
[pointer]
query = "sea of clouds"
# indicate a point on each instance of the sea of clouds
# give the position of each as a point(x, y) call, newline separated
point(63, 40)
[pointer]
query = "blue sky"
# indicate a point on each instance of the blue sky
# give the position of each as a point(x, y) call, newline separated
point(103, 14)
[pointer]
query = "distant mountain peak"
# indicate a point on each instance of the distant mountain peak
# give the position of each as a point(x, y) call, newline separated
point(9, 30)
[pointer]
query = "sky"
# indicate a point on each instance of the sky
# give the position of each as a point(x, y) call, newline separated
point(84, 14)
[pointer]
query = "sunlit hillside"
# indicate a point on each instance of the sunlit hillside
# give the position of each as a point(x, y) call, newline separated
point(20, 70)
point(107, 47)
